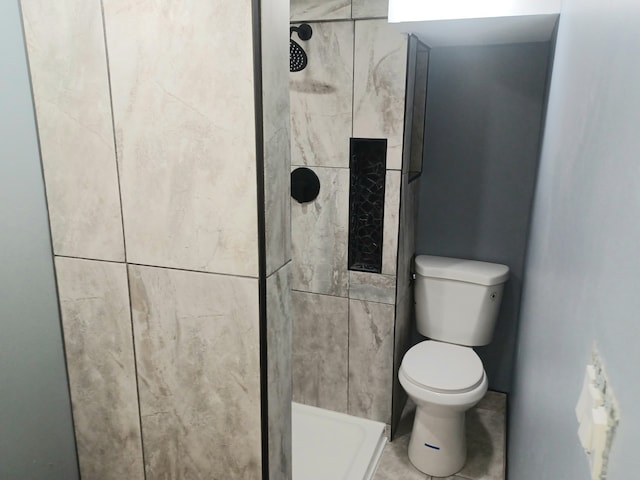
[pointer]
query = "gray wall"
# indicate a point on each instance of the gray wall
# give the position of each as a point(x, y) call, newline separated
point(583, 263)
point(36, 433)
point(481, 157)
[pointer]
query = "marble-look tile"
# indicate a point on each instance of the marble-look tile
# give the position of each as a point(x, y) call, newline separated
point(276, 126)
point(486, 437)
point(369, 8)
point(402, 341)
point(494, 401)
point(320, 350)
point(186, 152)
point(94, 301)
point(370, 359)
point(394, 463)
point(67, 60)
point(321, 97)
point(197, 352)
point(319, 231)
point(379, 85)
point(391, 222)
point(279, 345)
point(372, 287)
point(485, 445)
point(310, 10)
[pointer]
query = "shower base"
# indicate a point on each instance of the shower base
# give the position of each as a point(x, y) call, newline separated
point(330, 445)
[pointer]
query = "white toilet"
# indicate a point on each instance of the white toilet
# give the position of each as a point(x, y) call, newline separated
point(457, 302)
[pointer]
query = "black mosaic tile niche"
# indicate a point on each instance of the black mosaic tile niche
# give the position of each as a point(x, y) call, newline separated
point(366, 203)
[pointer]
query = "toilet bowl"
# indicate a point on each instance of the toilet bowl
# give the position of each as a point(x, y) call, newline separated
point(454, 382)
point(457, 303)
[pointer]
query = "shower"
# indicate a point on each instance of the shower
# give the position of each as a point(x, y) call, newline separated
point(297, 55)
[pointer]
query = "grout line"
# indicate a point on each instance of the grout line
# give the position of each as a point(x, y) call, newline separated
point(277, 270)
point(164, 267)
point(113, 127)
point(135, 366)
point(320, 294)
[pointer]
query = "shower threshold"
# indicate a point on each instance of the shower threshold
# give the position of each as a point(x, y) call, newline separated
point(333, 446)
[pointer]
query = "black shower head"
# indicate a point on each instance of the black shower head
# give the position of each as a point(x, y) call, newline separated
point(297, 56)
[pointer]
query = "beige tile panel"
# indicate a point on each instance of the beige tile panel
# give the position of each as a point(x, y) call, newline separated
point(391, 222)
point(197, 346)
point(486, 435)
point(321, 97)
point(276, 131)
point(320, 350)
point(186, 151)
point(320, 232)
point(369, 8)
point(279, 359)
point(309, 10)
point(372, 287)
point(494, 401)
point(379, 85)
point(96, 321)
point(370, 359)
point(68, 66)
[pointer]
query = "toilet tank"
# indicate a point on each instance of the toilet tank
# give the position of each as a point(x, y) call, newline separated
point(457, 301)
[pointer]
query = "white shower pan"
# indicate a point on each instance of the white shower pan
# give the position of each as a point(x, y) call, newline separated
point(333, 446)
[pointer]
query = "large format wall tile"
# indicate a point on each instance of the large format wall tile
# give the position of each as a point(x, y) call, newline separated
point(279, 345)
point(379, 85)
point(372, 287)
point(320, 350)
point(369, 8)
point(186, 152)
point(391, 219)
point(370, 359)
point(321, 97)
point(320, 236)
point(68, 68)
point(197, 349)
point(307, 10)
point(276, 129)
point(96, 320)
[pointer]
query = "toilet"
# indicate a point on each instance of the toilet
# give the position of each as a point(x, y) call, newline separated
point(457, 303)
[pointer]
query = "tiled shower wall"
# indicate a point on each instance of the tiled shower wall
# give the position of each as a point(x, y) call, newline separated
point(345, 328)
point(147, 123)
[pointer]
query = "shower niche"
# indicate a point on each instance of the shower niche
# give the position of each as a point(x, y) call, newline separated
point(367, 172)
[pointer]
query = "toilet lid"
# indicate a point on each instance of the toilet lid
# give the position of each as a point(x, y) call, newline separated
point(443, 367)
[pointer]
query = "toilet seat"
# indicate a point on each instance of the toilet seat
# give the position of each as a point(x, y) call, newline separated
point(443, 367)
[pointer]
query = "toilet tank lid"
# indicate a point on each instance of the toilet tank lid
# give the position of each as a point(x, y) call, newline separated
point(472, 271)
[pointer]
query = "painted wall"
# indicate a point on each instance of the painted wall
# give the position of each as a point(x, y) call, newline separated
point(583, 263)
point(36, 431)
point(171, 242)
point(481, 158)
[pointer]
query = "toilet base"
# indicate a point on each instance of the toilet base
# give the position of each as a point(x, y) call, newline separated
point(438, 443)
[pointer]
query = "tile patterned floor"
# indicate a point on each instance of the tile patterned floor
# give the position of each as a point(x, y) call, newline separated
point(486, 433)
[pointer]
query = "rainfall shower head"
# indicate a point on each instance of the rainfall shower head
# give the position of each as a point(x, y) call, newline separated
point(297, 56)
